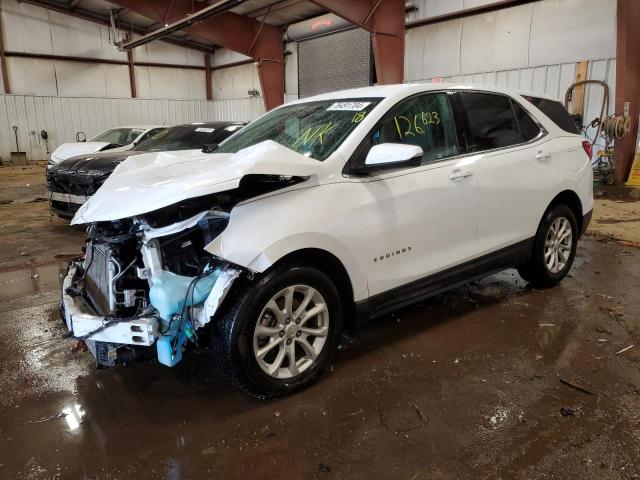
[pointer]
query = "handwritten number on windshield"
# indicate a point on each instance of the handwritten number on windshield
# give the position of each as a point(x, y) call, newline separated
point(410, 127)
point(358, 117)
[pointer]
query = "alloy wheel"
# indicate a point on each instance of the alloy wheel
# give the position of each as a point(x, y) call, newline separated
point(558, 244)
point(291, 331)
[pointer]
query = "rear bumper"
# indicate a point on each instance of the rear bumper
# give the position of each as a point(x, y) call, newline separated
point(586, 220)
point(82, 320)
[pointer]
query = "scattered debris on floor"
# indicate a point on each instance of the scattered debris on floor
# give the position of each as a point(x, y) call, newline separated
point(624, 349)
point(567, 412)
point(577, 385)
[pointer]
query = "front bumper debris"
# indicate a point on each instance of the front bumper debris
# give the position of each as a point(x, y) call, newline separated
point(67, 197)
point(82, 320)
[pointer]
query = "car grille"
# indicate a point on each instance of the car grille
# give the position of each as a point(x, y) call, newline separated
point(73, 183)
point(97, 277)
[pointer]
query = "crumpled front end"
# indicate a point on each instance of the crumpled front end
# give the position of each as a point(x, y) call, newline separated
point(145, 266)
point(144, 288)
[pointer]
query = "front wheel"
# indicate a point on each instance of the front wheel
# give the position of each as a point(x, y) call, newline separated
point(554, 248)
point(281, 333)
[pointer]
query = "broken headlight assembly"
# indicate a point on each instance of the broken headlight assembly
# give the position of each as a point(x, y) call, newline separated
point(132, 270)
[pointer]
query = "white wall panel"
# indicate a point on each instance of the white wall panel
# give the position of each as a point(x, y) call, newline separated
point(549, 32)
point(224, 56)
point(157, 82)
point(28, 76)
point(437, 8)
point(291, 69)
point(572, 30)
point(74, 37)
point(26, 28)
point(80, 79)
point(235, 82)
point(197, 84)
point(162, 52)
point(495, 41)
point(116, 79)
point(414, 55)
point(439, 59)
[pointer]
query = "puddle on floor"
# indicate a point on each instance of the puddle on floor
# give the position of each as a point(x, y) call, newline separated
point(31, 279)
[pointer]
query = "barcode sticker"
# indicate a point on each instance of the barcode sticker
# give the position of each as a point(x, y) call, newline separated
point(349, 106)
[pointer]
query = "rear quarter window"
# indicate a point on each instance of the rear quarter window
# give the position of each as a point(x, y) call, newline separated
point(495, 121)
point(556, 113)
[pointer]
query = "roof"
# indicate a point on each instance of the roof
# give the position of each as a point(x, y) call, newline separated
point(144, 127)
point(218, 124)
point(402, 89)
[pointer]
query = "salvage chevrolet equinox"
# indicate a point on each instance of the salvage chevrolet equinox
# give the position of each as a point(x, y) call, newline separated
point(321, 214)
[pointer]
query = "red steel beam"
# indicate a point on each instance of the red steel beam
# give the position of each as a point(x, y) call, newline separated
point(132, 74)
point(627, 85)
point(207, 76)
point(3, 61)
point(241, 34)
point(385, 20)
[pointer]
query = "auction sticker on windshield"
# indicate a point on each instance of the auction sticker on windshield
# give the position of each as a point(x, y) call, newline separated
point(206, 130)
point(350, 106)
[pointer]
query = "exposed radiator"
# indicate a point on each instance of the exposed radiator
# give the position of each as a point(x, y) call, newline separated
point(98, 277)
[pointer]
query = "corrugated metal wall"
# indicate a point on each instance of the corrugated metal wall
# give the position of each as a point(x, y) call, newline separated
point(551, 80)
point(62, 117)
point(350, 56)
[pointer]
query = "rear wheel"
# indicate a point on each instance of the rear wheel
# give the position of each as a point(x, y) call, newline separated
point(554, 248)
point(281, 333)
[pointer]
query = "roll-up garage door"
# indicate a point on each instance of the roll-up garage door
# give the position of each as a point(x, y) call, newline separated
point(334, 62)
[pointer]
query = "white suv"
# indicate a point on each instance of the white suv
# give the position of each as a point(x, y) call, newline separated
point(321, 214)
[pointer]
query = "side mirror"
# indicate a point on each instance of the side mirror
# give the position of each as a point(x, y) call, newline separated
point(393, 155)
point(209, 147)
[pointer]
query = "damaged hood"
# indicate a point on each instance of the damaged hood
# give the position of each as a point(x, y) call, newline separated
point(148, 182)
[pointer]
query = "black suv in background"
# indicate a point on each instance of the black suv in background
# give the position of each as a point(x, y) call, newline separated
point(71, 182)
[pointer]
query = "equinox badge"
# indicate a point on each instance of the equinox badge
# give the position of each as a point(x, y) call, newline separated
point(392, 254)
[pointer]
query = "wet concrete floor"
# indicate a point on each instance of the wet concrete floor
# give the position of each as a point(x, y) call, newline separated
point(466, 385)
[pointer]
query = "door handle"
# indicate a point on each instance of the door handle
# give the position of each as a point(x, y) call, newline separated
point(542, 155)
point(458, 174)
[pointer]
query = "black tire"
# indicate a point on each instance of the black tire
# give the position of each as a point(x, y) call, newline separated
point(535, 270)
point(233, 335)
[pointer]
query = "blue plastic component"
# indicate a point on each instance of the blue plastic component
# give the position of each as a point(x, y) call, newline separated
point(168, 292)
point(165, 345)
point(168, 295)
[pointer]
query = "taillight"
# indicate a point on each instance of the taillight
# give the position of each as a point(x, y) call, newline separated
point(588, 148)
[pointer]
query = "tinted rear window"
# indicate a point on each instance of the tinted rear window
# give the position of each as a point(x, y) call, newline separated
point(556, 113)
point(495, 122)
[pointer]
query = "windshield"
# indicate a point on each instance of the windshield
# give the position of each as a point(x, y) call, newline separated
point(186, 137)
point(314, 129)
point(119, 136)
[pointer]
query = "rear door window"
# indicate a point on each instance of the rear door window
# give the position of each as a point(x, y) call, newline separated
point(495, 121)
point(556, 113)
